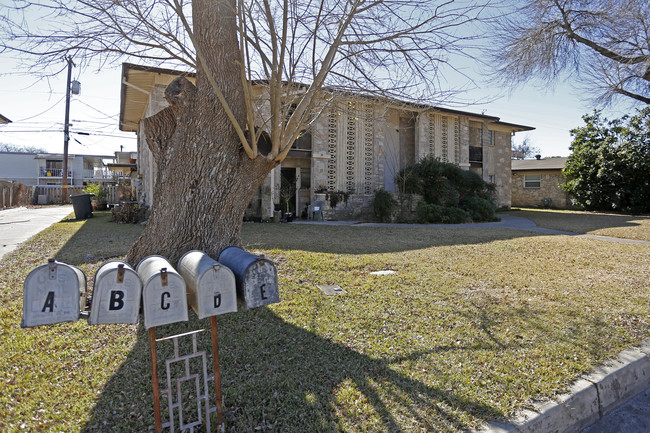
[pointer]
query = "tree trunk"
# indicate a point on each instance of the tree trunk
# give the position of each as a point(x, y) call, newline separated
point(204, 180)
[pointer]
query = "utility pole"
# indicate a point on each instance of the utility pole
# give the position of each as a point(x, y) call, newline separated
point(66, 135)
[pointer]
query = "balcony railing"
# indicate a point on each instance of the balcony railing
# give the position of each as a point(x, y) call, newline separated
point(53, 172)
point(98, 173)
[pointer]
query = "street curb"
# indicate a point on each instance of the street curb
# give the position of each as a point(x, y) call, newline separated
point(589, 399)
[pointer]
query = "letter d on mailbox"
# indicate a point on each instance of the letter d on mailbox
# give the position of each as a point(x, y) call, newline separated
point(210, 285)
point(256, 277)
point(164, 298)
point(116, 294)
point(53, 293)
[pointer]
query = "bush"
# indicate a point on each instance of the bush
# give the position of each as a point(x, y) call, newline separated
point(609, 168)
point(451, 194)
point(480, 209)
point(383, 205)
point(433, 213)
point(100, 193)
point(429, 213)
point(128, 214)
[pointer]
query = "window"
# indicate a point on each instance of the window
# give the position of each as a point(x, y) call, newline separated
point(533, 181)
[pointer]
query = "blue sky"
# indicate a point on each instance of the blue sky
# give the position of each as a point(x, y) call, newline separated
point(40, 106)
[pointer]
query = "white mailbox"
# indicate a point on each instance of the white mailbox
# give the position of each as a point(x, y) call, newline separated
point(116, 294)
point(255, 276)
point(53, 293)
point(210, 285)
point(164, 298)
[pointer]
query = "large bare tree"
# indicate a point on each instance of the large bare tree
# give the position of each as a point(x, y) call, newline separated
point(604, 44)
point(205, 144)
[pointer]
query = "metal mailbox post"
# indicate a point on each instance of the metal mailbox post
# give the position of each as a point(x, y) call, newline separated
point(53, 293)
point(116, 294)
point(256, 277)
point(210, 285)
point(164, 298)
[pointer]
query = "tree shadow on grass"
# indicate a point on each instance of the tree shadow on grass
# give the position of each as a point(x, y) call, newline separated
point(369, 239)
point(98, 239)
point(279, 377)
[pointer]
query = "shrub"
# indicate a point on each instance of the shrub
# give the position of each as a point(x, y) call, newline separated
point(451, 194)
point(101, 193)
point(383, 205)
point(128, 214)
point(429, 213)
point(455, 215)
point(480, 209)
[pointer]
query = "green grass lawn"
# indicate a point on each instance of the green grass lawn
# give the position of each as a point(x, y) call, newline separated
point(474, 325)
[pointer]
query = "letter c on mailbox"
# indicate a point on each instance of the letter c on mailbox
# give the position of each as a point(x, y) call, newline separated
point(164, 305)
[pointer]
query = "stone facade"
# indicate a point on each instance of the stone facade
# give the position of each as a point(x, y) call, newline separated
point(536, 183)
point(357, 145)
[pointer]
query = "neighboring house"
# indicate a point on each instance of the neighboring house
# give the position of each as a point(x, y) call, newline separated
point(125, 167)
point(40, 169)
point(536, 183)
point(357, 145)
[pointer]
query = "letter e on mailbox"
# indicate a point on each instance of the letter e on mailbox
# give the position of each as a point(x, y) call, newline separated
point(116, 294)
point(255, 276)
point(210, 285)
point(164, 298)
point(53, 293)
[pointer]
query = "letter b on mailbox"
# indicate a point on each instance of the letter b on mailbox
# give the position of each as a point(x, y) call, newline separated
point(116, 294)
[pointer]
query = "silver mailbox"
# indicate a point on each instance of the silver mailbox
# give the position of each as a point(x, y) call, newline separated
point(53, 293)
point(116, 294)
point(256, 277)
point(210, 285)
point(164, 298)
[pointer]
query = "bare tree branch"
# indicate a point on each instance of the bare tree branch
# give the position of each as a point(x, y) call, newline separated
point(604, 45)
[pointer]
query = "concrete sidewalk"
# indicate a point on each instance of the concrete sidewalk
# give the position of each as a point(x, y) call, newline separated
point(19, 224)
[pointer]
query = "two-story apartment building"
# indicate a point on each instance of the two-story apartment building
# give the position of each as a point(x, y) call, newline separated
point(40, 169)
point(357, 144)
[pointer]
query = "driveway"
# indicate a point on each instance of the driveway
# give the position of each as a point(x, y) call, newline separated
point(19, 224)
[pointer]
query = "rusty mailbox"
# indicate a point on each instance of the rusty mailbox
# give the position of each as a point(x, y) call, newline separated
point(53, 293)
point(164, 298)
point(116, 294)
point(210, 285)
point(256, 277)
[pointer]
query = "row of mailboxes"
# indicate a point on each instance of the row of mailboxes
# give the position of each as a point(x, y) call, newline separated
point(56, 292)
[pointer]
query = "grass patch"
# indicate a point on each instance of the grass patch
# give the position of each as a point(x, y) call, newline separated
point(474, 325)
point(595, 223)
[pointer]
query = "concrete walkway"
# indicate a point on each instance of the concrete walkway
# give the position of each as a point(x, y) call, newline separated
point(507, 222)
point(19, 224)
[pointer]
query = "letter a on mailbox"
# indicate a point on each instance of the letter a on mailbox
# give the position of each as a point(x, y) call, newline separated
point(116, 294)
point(164, 297)
point(53, 293)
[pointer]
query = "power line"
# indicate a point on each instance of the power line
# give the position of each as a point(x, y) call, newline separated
point(36, 115)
